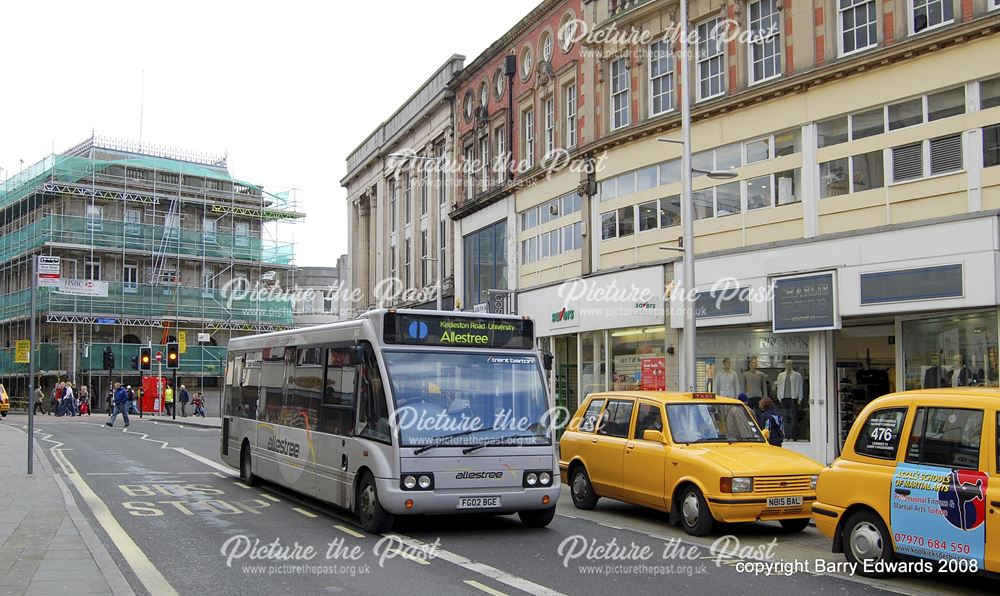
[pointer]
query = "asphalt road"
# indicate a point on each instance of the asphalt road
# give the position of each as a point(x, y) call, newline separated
point(189, 526)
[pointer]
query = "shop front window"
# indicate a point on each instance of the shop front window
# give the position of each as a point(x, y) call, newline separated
point(637, 359)
point(757, 364)
point(951, 351)
point(593, 372)
point(566, 372)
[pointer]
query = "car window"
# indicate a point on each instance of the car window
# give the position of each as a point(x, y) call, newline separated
point(648, 418)
point(948, 437)
point(997, 434)
point(616, 419)
point(879, 437)
point(589, 420)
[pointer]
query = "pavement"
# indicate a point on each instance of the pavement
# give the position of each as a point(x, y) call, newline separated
point(47, 546)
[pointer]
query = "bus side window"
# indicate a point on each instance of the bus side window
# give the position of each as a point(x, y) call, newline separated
point(373, 413)
point(338, 393)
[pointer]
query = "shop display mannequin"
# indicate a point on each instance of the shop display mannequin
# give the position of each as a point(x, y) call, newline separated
point(789, 383)
point(961, 376)
point(727, 383)
point(935, 376)
point(754, 384)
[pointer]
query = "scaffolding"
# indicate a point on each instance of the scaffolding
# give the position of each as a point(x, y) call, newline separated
point(205, 242)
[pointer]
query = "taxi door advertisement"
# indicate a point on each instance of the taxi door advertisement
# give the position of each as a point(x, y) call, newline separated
point(939, 513)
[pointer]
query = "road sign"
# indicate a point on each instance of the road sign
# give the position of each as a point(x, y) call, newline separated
point(159, 356)
point(204, 338)
point(182, 340)
point(22, 351)
point(105, 321)
point(48, 268)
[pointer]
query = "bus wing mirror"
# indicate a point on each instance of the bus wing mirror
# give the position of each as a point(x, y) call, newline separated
point(547, 359)
point(358, 355)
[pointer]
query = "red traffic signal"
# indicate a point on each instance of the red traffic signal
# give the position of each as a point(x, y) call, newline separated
point(173, 355)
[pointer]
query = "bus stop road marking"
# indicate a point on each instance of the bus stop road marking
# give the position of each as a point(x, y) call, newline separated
point(304, 512)
point(241, 485)
point(349, 531)
point(408, 556)
point(519, 583)
point(270, 498)
point(484, 588)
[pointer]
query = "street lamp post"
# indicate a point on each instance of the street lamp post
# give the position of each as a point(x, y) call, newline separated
point(438, 160)
point(689, 364)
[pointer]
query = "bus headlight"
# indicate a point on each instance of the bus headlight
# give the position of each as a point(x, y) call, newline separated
point(545, 478)
point(409, 482)
point(425, 481)
point(417, 481)
point(532, 479)
point(537, 478)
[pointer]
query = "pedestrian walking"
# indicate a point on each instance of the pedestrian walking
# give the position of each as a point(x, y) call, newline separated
point(84, 400)
point(168, 400)
point(54, 400)
point(60, 402)
point(121, 406)
point(185, 398)
point(69, 400)
point(199, 405)
point(39, 400)
point(769, 420)
point(132, 408)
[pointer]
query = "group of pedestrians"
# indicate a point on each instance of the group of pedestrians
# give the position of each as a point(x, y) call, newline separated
point(64, 401)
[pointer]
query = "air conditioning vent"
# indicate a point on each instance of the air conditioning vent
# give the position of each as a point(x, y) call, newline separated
point(946, 154)
point(907, 162)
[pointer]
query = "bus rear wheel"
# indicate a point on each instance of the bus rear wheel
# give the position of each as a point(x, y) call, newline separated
point(246, 468)
point(537, 518)
point(373, 517)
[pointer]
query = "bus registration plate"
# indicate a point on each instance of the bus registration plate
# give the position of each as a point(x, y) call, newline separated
point(478, 502)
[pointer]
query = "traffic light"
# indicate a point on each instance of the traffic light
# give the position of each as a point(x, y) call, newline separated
point(135, 363)
point(173, 355)
point(109, 358)
point(145, 358)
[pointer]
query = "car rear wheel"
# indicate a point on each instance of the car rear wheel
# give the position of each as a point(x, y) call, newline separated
point(795, 525)
point(695, 516)
point(581, 489)
point(537, 518)
point(867, 539)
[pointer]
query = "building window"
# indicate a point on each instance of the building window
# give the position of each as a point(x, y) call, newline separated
point(867, 124)
point(407, 197)
point(550, 126)
point(240, 282)
point(95, 218)
point(648, 216)
point(208, 278)
point(392, 262)
point(710, 57)
point(500, 159)
point(484, 162)
point(485, 254)
point(425, 257)
point(442, 247)
point(407, 261)
point(133, 221)
point(954, 351)
point(765, 41)
point(529, 138)
point(947, 103)
point(758, 150)
point(670, 211)
point(991, 146)
point(547, 47)
point(130, 275)
point(619, 93)
point(392, 204)
point(208, 229)
point(832, 131)
point(241, 232)
point(661, 78)
point(847, 175)
point(570, 95)
point(424, 186)
point(329, 300)
point(618, 224)
point(92, 268)
point(858, 25)
point(442, 175)
point(469, 170)
point(929, 14)
point(989, 93)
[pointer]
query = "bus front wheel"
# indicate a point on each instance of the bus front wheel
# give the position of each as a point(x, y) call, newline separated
point(537, 518)
point(374, 518)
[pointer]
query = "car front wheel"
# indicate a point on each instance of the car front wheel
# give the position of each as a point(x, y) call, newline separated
point(695, 517)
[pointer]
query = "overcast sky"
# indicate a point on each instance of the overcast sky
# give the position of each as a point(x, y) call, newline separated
point(287, 88)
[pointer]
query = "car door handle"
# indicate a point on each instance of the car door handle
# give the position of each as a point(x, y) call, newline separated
point(902, 491)
point(594, 440)
point(994, 503)
point(630, 445)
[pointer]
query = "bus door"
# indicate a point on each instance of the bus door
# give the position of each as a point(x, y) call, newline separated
point(371, 445)
point(336, 415)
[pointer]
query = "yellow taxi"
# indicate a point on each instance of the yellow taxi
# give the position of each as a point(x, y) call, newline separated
point(912, 489)
point(4, 401)
point(699, 457)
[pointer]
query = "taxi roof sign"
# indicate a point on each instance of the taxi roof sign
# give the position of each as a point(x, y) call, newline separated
point(702, 395)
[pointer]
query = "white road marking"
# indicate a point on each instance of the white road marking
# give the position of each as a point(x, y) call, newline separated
point(484, 588)
point(608, 526)
point(493, 573)
point(144, 569)
point(270, 497)
point(408, 556)
point(304, 512)
point(241, 485)
point(349, 531)
point(224, 469)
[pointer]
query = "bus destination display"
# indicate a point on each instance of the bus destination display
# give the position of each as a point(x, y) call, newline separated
point(433, 330)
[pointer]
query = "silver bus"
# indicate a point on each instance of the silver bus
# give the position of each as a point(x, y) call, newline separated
point(397, 412)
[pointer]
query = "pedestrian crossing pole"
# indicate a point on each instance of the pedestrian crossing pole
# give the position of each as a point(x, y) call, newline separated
point(31, 367)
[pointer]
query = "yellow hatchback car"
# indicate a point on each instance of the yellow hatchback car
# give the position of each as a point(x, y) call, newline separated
point(4, 401)
point(914, 479)
point(699, 457)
